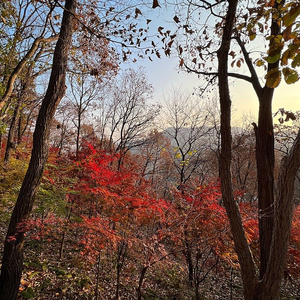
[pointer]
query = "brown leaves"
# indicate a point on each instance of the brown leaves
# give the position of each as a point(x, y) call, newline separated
point(155, 4)
point(293, 13)
point(176, 19)
point(159, 29)
point(137, 12)
point(288, 115)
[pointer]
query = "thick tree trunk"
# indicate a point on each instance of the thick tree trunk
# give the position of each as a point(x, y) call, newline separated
point(12, 261)
point(265, 160)
point(270, 285)
point(265, 176)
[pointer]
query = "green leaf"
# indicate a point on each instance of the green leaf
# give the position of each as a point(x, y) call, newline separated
point(28, 294)
point(290, 75)
point(273, 59)
point(275, 51)
point(273, 78)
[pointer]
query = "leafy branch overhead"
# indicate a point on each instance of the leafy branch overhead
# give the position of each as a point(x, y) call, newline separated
point(196, 42)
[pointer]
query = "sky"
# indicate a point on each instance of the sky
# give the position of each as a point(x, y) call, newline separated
point(164, 75)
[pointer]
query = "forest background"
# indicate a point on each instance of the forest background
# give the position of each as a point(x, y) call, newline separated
point(106, 194)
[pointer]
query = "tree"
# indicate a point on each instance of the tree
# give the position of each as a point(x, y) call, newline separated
point(109, 31)
point(29, 32)
point(130, 117)
point(234, 30)
point(84, 92)
point(11, 270)
point(188, 127)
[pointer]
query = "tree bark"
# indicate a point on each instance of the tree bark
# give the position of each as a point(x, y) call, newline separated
point(265, 176)
point(270, 284)
point(241, 245)
point(265, 159)
point(20, 66)
point(10, 144)
point(12, 261)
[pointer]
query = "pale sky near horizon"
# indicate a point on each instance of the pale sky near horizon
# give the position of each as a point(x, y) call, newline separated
point(163, 74)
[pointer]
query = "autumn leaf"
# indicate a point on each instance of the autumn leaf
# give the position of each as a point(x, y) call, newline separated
point(260, 63)
point(290, 75)
point(292, 14)
point(275, 52)
point(287, 33)
point(176, 19)
point(159, 29)
point(137, 12)
point(284, 58)
point(155, 4)
point(273, 78)
point(180, 50)
point(296, 61)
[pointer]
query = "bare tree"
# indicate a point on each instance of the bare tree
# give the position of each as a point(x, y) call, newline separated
point(187, 125)
point(84, 91)
point(130, 116)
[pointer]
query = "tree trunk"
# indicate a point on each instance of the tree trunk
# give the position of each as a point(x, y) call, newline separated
point(265, 159)
point(141, 280)
point(241, 245)
point(270, 284)
point(12, 261)
point(189, 261)
point(10, 144)
point(265, 176)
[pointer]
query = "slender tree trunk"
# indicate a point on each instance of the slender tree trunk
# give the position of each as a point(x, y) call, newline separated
point(241, 245)
point(18, 69)
point(78, 132)
point(98, 277)
point(189, 261)
point(12, 261)
point(141, 280)
point(10, 144)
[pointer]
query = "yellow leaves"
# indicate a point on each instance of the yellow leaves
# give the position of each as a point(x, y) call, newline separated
point(178, 155)
point(273, 78)
point(276, 45)
point(259, 63)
